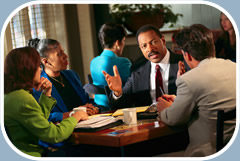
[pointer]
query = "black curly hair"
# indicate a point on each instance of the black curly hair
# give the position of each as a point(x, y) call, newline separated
point(109, 33)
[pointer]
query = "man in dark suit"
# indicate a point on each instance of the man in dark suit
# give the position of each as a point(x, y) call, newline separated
point(140, 88)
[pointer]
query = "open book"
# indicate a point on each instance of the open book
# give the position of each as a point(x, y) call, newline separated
point(98, 123)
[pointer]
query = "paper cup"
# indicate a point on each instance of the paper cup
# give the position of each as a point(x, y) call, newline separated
point(130, 116)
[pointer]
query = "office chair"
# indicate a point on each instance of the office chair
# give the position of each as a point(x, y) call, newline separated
point(93, 89)
point(90, 80)
point(107, 92)
point(90, 88)
point(221, 117)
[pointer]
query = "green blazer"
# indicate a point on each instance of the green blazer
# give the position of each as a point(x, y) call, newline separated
point(27, 121)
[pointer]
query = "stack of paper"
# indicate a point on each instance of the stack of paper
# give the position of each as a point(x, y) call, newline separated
point(96, 122)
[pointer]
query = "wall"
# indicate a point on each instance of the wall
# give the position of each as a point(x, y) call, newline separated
point(87, 36)
point(196, 13)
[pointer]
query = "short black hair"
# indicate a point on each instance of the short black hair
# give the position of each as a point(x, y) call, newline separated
point(146, 28)
point(109, 33)
point(197, 40)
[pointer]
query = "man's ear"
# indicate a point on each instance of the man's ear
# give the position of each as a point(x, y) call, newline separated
point(117, 44)
point(163, 40)
point(44, 61)
point(186, 55)
point(189, 57)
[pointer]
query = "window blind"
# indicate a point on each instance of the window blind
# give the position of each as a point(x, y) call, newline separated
point(20, 29)
point(32, 22)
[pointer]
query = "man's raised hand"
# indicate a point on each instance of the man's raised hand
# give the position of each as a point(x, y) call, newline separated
point(114, 82)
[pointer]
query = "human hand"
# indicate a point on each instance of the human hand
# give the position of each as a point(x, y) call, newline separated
point(181, 68)
point(168, 97)
point(162, 104)
point(66, 115)
point(80, 115)
point(91, 110)
point(45, 86)
point(114, 82)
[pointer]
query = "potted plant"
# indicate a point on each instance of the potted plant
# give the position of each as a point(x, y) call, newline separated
point(133, 16)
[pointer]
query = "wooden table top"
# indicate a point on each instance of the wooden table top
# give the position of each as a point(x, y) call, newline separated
point(123, 135)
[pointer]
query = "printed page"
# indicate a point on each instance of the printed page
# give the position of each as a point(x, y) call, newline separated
point(96, 122)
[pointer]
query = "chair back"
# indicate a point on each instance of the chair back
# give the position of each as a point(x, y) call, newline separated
point(90, 88)
point(107, 92)
point(221, 117)
point(90, 80)
point(93, 89)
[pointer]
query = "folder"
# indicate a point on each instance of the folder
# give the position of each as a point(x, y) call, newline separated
point(138, 109)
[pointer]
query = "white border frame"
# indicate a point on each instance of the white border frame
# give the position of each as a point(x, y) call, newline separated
point(125, 2)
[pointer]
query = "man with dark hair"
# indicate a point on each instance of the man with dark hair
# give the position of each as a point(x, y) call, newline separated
point(141, 88)
point(209, 86)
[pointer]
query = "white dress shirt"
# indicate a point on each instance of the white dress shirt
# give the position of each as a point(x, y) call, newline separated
point(164, 69)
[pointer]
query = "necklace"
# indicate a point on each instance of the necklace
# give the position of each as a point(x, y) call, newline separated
point(61, 82)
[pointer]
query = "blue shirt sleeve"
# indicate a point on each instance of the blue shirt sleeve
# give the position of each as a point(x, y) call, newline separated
point(55, 116)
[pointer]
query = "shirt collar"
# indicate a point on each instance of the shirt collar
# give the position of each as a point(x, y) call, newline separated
point(108, 53)
point(164, 63)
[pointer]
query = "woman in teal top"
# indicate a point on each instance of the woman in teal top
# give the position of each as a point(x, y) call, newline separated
point(112, 38)
point(25, 119)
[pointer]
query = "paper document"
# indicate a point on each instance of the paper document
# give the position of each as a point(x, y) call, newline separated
point(96, 122)
point(139, 109)
point(97, 115)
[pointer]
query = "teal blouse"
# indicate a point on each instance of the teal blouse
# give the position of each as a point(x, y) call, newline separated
point(105, 62)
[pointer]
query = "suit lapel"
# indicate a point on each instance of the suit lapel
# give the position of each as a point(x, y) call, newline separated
point(143, 76)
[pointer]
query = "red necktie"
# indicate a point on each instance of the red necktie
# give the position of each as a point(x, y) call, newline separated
point(158, 82)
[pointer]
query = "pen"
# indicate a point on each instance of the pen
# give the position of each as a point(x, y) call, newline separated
point(163, 94)
point(161, 91)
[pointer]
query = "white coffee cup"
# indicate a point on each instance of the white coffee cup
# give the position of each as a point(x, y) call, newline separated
point(78, 109)
point(129, 116)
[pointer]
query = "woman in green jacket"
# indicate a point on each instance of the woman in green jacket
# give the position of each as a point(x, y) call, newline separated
point(26, 119)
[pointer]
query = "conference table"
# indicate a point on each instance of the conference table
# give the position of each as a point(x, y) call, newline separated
point(140, 134)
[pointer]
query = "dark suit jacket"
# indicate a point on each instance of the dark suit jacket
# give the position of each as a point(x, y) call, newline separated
point(136, 91)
